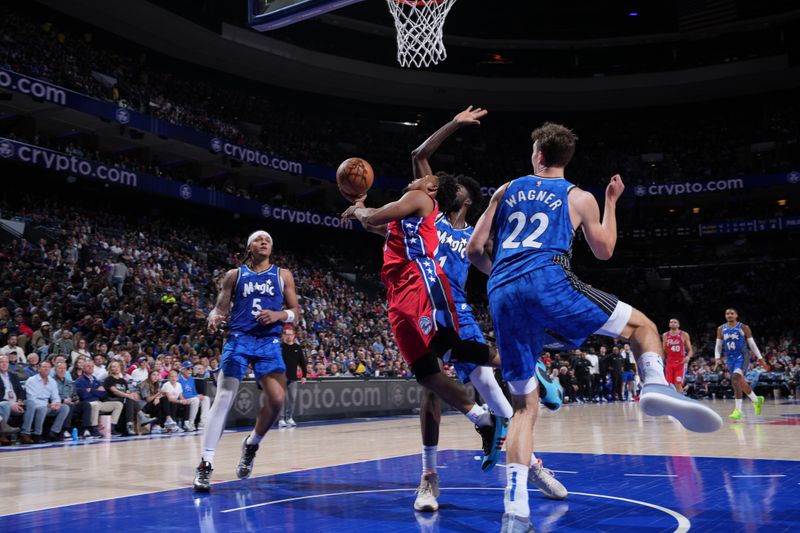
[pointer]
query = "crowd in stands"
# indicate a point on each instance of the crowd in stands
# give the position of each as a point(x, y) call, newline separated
point(99, 288)
point(599, 375)
point(686, 144)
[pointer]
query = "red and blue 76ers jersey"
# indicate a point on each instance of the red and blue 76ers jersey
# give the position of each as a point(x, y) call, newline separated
point(407, 240)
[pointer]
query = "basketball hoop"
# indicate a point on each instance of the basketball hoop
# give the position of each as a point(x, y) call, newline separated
point(419, 26)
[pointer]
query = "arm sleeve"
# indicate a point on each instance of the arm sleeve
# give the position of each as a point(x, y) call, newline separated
point(751, 342)
point(718, 349)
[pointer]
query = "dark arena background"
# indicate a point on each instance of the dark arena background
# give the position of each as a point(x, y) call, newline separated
point(142, 142)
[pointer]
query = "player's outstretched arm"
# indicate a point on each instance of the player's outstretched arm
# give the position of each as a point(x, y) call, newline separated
point(223, 305)
point(479, 245)
point(601, 235)
point(718, 347)
point(421, 155)
point(412, 203)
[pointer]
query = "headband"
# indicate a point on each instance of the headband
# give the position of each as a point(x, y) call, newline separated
point(256, 234)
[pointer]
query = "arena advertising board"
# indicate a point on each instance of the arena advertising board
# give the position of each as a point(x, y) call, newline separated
point(126, 179)
point(332, 398)
point(50, 93)
point(55, 94)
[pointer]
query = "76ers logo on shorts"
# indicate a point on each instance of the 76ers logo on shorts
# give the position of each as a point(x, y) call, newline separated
point(425, 324)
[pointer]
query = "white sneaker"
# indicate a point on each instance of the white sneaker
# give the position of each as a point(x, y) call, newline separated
point(427, 492)
point(156, 430)
point(282, 423)
point(189, 426)
point(291, 423)
point(660, 400)
point(546, 482)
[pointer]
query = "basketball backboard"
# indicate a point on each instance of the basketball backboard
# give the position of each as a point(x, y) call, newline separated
point(265, 15)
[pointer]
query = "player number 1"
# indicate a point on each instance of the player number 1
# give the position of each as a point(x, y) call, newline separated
point(518, 219)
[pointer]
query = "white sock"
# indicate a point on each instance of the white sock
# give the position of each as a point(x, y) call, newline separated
point(208, 455)
point(739, 403)
point(479, 416)
point(516, 493)
point(428, 459)
point(753, 396)
point(254, 438)
point(533, 458)
point(485, 383)
point(651, 367)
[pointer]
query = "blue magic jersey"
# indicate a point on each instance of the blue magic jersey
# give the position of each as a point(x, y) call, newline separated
point(254, 292)
point(452, 256)
point(733, 341)
point(531, 227)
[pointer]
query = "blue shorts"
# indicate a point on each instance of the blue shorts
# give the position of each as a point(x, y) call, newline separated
point(545, 304)
point(468, 330)
point(241, 350)
point(735, 361)
point(627, 376)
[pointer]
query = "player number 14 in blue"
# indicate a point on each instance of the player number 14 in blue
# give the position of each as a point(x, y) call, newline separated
point(518, 219)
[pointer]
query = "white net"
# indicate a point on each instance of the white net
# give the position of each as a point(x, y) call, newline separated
point(419, 26)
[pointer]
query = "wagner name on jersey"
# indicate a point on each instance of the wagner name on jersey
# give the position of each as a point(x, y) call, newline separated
point(536, 231)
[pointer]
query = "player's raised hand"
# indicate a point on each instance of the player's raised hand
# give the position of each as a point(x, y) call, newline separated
point(470, 116)
point(615, 188)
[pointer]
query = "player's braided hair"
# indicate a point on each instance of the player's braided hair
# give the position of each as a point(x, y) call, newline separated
point(446, 195)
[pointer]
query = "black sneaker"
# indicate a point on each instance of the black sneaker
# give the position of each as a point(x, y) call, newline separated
point(202, 477)
point(493, 437)
point(245, 466)
point(55, 437)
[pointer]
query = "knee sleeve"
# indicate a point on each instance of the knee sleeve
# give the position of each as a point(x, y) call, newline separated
point(226, 393)
point(425, 366)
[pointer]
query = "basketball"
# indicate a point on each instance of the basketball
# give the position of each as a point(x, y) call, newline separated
point(354, 177)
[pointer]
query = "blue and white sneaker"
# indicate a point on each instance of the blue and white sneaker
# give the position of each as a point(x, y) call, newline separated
point(551, 394)
point(661, 400)
point(493, 437)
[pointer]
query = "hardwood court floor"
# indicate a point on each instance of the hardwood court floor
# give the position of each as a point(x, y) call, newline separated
point(58, 475)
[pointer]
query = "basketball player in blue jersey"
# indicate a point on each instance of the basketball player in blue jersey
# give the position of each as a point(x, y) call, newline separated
point(454, 233)
point(731, 339)
point(523, 241)
point(255, 300)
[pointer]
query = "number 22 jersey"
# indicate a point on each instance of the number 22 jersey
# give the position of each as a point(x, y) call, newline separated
point(532, 228)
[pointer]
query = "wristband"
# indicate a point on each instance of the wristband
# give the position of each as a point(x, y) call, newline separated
point(289, 316)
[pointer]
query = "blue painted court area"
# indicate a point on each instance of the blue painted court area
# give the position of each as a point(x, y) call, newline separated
point(607, 493)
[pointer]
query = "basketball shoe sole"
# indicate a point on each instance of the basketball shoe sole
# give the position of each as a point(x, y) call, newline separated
point(661, 400)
